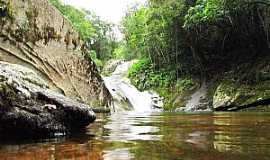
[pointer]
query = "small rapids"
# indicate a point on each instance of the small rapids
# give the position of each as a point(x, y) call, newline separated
point(128, 97)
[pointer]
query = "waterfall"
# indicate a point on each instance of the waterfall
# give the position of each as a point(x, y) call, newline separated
point(128, 97)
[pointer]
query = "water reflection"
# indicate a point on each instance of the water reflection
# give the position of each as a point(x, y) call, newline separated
point(127, 127)
point(242, 135)
point(160, 136)
point(118, 154)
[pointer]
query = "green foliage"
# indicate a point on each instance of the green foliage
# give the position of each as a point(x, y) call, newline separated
point(104, 41)
point(97, 34)
point(144, 76)
point(185, 84)
point(123, 52)
point(6, 11)
point(77, 18)
point(120, 52)
point(93, 56)
point(154, 32)
point(219, 27)
point(198, 37)
point(135, 31)
point(204, 12)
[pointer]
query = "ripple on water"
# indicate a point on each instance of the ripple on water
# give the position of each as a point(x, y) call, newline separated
point(127, 127)
point(156, 136)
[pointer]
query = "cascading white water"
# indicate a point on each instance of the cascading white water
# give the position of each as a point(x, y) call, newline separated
point(123, 91)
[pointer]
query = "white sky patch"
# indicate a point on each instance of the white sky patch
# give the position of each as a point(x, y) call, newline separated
point(109, 10)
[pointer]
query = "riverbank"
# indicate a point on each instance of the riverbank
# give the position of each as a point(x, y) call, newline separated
point(242, 87)
point(202, 53)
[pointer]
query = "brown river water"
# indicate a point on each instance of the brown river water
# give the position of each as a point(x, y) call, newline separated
point(155, 136)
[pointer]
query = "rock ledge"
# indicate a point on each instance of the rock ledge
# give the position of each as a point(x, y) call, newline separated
point(29, 107)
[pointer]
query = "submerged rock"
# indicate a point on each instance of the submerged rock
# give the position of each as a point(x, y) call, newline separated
point(29, 107)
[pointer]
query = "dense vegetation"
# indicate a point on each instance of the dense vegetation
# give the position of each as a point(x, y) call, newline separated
point(98, 34)
point(181, 43)
point(190, 35)
point(196, 40)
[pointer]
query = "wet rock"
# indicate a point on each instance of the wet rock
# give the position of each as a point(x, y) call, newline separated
point(29, 108)
point(157, 101)
point(126, 96)
point(182, 109)
point(111, 65)
point(199, 101)
point(230, 96)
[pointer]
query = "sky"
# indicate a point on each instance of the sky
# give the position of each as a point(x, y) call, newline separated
point(109, 10)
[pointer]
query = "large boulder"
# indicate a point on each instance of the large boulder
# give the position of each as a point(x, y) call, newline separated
point(230, 96)
point(34, 34)
point(29, 108)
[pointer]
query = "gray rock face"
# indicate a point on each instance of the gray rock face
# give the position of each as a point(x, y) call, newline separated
point(198, 101)
point(29, 107)
point(233, 97)
point(34, 34)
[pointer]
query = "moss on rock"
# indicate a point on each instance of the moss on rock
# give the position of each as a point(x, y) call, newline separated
point(232, 95)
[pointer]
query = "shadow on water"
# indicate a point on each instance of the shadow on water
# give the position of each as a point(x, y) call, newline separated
point(155, 136)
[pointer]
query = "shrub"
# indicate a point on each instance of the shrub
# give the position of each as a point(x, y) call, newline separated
point(144, 76)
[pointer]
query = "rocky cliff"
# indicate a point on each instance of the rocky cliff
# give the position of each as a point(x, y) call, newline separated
point(35, 35)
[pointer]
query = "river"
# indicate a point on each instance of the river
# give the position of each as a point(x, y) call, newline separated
point(139, 130)
point(156, 136)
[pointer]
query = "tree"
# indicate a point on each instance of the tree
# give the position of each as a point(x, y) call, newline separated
point(98, 35)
